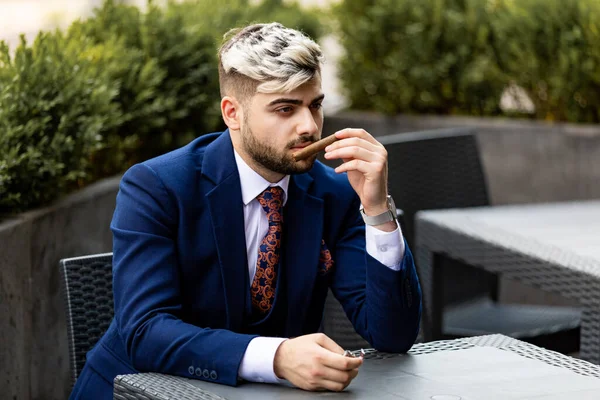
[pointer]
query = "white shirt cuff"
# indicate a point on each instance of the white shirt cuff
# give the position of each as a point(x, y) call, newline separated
point(257, 363)
point(385, 247)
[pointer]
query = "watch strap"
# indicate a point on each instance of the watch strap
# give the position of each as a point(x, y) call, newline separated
point(386, 216)
point(379, 219)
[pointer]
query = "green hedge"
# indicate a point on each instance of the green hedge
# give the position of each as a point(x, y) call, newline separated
point(114, 89)
point(55, 110)
point(457, 56)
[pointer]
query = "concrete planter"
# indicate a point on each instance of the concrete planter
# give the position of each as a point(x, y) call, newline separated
point(34, 361)
point(525, 161)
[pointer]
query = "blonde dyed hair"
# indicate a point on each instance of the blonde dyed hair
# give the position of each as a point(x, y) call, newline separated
point(267, 58)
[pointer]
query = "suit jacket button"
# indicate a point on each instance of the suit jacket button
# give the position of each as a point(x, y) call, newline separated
point(191, 370)
point(213, 375)
point(198, 371)
point(206, 374)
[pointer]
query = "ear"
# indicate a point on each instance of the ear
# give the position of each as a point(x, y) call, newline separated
point(232, 112)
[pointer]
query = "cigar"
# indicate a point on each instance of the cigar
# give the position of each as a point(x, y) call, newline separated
point(314, 148)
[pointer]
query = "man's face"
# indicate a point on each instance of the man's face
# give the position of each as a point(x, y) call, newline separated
point(275, 126)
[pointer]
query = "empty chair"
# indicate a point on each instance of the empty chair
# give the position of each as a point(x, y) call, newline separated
point(87, 288)
point(441, 169)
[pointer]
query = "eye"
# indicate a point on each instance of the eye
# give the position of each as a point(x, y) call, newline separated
point(284, 110)
point(316, 106)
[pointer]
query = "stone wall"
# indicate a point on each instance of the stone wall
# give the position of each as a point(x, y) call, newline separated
point(34, 355)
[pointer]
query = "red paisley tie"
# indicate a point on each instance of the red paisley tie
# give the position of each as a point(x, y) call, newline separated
point(265, 278)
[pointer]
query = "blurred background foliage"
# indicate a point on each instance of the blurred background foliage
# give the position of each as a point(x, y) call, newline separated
point(55, 110)
point(114, 89)
point(458, 56)
point(128, 84)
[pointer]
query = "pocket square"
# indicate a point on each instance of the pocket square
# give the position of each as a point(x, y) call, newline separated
point(325, 259)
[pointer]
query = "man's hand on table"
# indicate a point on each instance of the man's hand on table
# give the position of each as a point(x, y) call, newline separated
point(315, 362)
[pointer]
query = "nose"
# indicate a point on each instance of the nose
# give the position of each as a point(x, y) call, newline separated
point(307, 124)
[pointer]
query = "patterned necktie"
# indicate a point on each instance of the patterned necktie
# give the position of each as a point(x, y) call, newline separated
point(265, 278)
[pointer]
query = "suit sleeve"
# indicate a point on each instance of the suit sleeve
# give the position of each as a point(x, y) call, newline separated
point(147, 296)
point(384, 305)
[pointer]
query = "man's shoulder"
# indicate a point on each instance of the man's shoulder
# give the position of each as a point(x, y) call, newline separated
point(175, 169)
point(190, 155)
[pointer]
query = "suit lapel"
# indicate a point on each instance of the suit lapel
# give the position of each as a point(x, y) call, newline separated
point(303, 234)
point(227, 213)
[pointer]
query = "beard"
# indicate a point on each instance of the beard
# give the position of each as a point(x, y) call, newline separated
point(274, 160)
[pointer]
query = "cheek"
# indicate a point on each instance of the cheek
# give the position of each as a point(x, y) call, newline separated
point(319, 118)
point(274, 133)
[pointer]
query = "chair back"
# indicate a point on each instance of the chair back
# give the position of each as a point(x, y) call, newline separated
point(87, 288)
point(440, 169)
point(434, 170)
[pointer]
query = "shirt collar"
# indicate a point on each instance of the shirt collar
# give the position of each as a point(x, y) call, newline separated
point(253, 184)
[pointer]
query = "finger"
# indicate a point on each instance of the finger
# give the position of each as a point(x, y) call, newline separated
point(337, 385)
point(352, 132)
point(331, 386)
point(336, 375)
point(340, 362)
point(355, 141)
point(332, 355)
point(355, 152)
point(365, 167)
point(327, 343)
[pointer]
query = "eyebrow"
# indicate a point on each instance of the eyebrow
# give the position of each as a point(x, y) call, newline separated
point(298, 102)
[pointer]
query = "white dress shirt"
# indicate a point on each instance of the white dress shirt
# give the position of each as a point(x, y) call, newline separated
point(385, 247)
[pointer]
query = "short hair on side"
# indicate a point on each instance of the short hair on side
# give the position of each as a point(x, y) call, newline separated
point(266, 58)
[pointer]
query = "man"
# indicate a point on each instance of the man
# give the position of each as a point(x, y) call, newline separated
point(224, 249)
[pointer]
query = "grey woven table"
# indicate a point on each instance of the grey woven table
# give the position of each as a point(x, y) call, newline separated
point(152, 386)
point(554, 247)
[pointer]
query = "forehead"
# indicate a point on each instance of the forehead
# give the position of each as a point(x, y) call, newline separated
point(306, 92)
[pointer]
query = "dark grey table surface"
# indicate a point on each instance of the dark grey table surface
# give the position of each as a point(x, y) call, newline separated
point(486, 367)
point(552, 246)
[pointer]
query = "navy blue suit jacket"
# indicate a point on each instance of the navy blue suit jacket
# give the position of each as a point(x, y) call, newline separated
point(180, 269)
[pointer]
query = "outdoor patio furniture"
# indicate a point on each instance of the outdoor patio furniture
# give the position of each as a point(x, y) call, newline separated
point(552, 247)
point(484, 367)
point(441, 169)
point(87, 288)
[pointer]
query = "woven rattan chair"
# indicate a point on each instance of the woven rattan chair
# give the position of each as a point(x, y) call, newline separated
point(87, 287)
point(442, 169)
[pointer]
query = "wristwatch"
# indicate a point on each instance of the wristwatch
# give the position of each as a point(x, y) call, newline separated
point(387, 216)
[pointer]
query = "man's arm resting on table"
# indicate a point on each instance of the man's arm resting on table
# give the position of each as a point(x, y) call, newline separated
point(310, 362)
point(382, 297)
point(257, 363)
